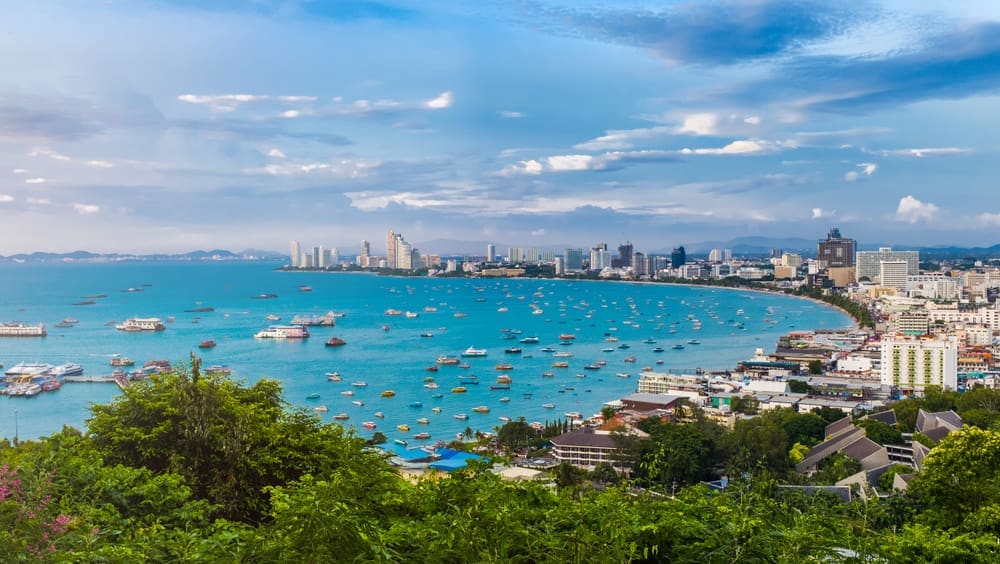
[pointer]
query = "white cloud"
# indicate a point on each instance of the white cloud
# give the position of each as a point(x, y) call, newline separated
point(820, 213)
point(39, 201)
point(442, 101)
point(699, 124)
point(867, 169)
point(921, 153)
point(276, 153)
point(622, 138)
point(46, 152)
point(291, 114)
point(36, 180)
point(6, 198)
point(538, 232)
point(752, 120)
point(342, 168)
point(509, 114)
point(739, 147)
point(100, 164)
point(912, 210)
point(990, 219)
point(86, 209)
point(20, 171)
point(529, 167)
point(229, 102)
point(562, 163)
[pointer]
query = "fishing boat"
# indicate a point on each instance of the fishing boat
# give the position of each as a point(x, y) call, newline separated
point(335, 342)
point(341, 416)
point(403, 427)
point(424, 421)
point(368, 425)
point(207, 344)
point(388, 393)
point(422, 436)
point(459, 390)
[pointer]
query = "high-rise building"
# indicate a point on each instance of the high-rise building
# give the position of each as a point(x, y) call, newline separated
point(560, 267)
point(316, 252)
point(334, 258)
point(390, 249)
point(491, 253)
point(893, 274)
point(366, 249)
point(678, 257)
point(296, 255)
point(911, 364)
point(624, 259)
point(639, 263)
point(531, 255)
point(573, 260)
point(323, 258)
point(867, 262)
point(836, 251)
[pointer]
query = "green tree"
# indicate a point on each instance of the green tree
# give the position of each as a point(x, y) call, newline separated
point(516, 434)
point(880, 432)
point(829, 414)
point(816, 366)
point(801, 386)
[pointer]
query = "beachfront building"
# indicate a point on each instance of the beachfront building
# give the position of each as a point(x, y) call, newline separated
point(868, 263)
point(910, 364)
point(662, 383)
point(587, 447)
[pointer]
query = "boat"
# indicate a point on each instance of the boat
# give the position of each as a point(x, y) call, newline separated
point(333, 376)
point(460, 314)
point(629, 359)
point(335, 342)
point(264, 296)
point(431, 368)
point(218, 370)
point(459, 390)
point(563, 355)
point(624, 346)
point(548, 405)
point(464, 365)
point(529, 340)
point(481, 409)
point(385, 327)
point(206, 344)
point(567, 337)
point(573, 415)
point(591, 366)
point(401, 442)
point(358, 403)
point(677, 347)
point(468, 379)
point(502, 309)
point(609, 349)
point(403, 427)
point(427, 334)
point(360, 384)
point(416, 404)
point(547, 349)
point(424, 421)
point(51, 385)
point(550, 374)
point(313, 396)
point(67, 369)
point(560, 364)
point(436, 409)
point(393, 312)
point(368, 424)
point(504, 399)
point(388, 393)
point(472, 351)
point(658, 349)
point(283, 332)
point(445, 359)
point(694, 342)
point(137, 324)
point(272, 317)
point(430, 309)
point(431, 385)
point(512, 350)
point(461, 416)
point(422, 436)
point(503, 379)
point(622, 374)
point(347, 393)
point(412, 315)
point(304, 288)
point(379, 414)
point(321, 408)
point(504, 366)
point(158, 365)
point(341, 416)
point(504, 419)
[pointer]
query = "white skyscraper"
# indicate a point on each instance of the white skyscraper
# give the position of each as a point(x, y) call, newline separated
point(912, 363)
point(296, 255)
point(491, 253)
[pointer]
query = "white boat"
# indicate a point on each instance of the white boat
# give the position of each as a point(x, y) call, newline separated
point(29, 369)
point(141, 324)
point(360, 384)
point(472, 351)
point(67, 369)
point(322, 408)
point(273, 317)
point(14, 329)
point(283, 332)
point(412, 315)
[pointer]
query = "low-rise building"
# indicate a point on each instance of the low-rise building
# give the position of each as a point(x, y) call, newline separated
point(588, 447)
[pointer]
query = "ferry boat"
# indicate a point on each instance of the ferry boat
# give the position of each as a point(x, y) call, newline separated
point(121, 361)
point(141, 324)
point(29, 369)
point(283, 332)
point(472, 351)
point(447, 360)
point(14, 329)
point(67, 369)
point(206, 344)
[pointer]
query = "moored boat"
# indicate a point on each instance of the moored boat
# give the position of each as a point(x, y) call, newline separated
point(459, 390)
point(481, 409)
point(473, 351)
point(335, 342)
point(137, 324)
point(207, 344)
point(388, 393)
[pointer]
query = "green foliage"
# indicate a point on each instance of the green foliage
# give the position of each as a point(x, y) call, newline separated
point(815, 366)
point(886, 480)
point(516, 434)
point(880, 432)
point(829, 414)
point(834, 468)
point(801, 386)
point(679, 454)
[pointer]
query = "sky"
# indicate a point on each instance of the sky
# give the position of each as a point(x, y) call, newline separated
point(173, 125)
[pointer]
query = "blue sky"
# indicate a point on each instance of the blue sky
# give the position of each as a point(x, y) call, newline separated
point(147, 126)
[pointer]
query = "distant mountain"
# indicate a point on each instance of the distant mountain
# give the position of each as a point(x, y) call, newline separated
point(87, 256)
point(455, 247)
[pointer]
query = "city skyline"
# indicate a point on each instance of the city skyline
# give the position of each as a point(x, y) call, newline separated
point(219, 124)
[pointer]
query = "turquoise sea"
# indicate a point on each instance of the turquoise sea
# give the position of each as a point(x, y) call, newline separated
point(732, 324)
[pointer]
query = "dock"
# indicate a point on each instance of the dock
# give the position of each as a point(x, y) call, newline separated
point(121, 380)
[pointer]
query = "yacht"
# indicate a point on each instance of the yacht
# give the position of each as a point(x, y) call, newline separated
point(472, 351)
